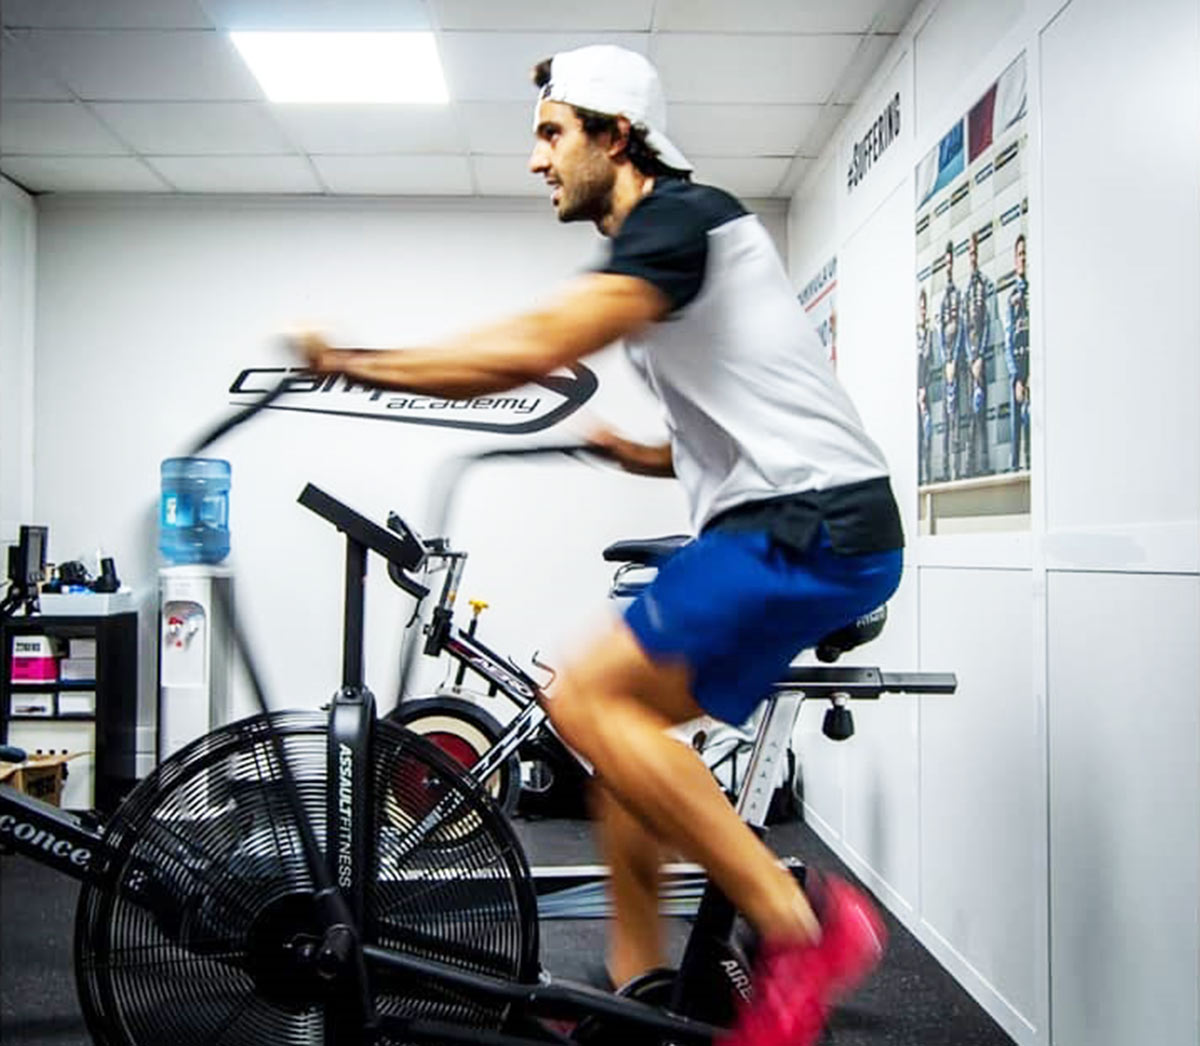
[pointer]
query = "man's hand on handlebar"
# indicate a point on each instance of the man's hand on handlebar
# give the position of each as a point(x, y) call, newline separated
point(316, 352)
point(643, 459)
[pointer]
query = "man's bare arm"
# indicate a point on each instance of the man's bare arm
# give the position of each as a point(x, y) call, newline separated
point(590, 313)
point(644, 459)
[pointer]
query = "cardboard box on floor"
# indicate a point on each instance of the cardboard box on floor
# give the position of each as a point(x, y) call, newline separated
point(39, 777)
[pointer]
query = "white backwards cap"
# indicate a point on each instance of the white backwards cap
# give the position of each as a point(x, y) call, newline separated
point(615, 82)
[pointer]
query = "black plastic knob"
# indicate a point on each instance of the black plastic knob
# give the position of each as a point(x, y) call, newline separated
point(838, 724)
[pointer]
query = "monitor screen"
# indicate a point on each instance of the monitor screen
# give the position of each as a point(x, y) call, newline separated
point(31, 555)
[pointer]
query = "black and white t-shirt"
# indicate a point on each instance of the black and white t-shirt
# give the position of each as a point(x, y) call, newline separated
point(761, 431)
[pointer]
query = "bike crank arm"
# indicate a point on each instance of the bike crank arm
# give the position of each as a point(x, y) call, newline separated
point(551, 1001)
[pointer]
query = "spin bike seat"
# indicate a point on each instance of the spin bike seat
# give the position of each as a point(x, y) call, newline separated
point(645, 552)
point(846, 638)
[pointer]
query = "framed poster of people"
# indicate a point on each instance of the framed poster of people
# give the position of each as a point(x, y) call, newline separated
point(972, 201)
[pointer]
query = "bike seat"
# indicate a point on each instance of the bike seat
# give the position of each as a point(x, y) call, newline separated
point(645, 552)
point(846, 638)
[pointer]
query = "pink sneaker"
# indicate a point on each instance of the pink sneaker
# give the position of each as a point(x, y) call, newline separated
point(853, 935)
point(796, 984)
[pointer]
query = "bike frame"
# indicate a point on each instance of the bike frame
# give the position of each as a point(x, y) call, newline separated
point(501, 674)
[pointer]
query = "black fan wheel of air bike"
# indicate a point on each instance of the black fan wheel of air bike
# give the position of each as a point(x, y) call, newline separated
point(192, 937)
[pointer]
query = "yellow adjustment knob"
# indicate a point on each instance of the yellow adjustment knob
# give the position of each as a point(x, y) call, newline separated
point(478, 605)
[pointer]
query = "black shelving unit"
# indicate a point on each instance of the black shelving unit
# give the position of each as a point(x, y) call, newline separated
point(114, 761)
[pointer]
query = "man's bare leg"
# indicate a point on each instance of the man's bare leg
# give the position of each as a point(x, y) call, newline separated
point(613, 706)
point(635, 941)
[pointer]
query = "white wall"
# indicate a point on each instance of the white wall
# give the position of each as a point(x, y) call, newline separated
point(1038, 831)
point(149, 308)
point(18, 224)
point(1122, 497)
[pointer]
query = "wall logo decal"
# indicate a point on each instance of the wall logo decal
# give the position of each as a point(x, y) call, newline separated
point(874, 142)
point(531, 408)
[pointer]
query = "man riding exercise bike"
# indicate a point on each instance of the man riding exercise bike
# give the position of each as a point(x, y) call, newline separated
point(798, 531)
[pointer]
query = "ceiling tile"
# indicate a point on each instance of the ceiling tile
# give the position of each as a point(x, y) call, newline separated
point(766, 16)
point(396, 175)
point(145, 65)
point(371, 128)
point(81, 174)
point(110, 14)
point(499, 128)
point(315, 15)
point(574, 15)
point(741, 130)
point(827, 123)
point(778, 69)
point(55, 128)
point(194, 128)
point(507, 176)
point(862, 67)
point(758, 176)
point(237, 174)
point(496, 67)
point(22, 74)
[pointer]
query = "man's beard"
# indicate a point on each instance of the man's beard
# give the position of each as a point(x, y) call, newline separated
point(590, 196)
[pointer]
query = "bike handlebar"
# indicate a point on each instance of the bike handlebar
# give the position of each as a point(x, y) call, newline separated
point(236, 419)
point(444, 494)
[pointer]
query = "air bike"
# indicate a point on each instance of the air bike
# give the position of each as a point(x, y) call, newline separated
point(332, 878)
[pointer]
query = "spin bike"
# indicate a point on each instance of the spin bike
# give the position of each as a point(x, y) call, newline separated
point(300, 877)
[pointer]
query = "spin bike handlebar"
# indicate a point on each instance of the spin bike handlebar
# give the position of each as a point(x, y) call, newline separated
point(449, 482)
point(450, 479)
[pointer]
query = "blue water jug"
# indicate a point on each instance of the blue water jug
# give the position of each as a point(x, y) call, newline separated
point(193, 518)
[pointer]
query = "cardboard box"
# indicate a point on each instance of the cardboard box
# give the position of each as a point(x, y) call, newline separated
point(39, 777)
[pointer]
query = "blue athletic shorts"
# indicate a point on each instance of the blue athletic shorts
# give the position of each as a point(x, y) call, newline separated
point(737, 608)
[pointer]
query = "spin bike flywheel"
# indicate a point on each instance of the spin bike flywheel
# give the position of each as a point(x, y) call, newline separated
point(193, 938)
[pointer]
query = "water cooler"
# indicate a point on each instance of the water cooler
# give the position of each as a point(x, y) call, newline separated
point(195, 662)
point(195, 665)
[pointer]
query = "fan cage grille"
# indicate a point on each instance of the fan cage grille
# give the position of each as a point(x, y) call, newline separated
point(182, 942)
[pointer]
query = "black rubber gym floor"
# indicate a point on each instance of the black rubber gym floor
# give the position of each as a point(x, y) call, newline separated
point(910, 1000)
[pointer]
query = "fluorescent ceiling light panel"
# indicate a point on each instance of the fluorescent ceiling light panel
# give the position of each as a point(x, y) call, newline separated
point(345, 68)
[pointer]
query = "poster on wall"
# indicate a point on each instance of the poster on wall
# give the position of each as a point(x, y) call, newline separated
point(819, 300)
point(972, 202)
